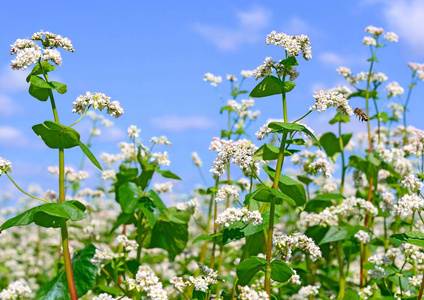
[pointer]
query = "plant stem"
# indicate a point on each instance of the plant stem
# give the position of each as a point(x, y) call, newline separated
point(342, 279)
point(19, 188)
point(280, 161)
point(343, 159)
point(304, 116)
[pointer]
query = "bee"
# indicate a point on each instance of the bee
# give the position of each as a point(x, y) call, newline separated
point(361, 114)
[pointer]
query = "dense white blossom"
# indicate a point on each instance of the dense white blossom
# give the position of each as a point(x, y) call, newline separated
point(293, 44)
point(146, 281)
point(306, 291)
point(232, 215)
point(374, 30)
point(369, 41)
point(160, 158)
point(16, 290)
point(97, 101)
point(133, 131)
point(5, 165)
point(287, 243)
point(326, 99)
point(227, 191)
point(247, 293)
point(162, 188)
point(196, 159)
point(363, 236)
point(214, 80)
point(162, 140)
point(246, 73)
point(321, 166)
point(394, 89)
point(413, 183)
point(408, 204)
point(391, 37)
point(127, 243)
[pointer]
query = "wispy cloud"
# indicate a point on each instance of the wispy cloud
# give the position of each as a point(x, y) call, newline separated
point(13, 137)
point(248, 30)
point(179, 123)
point(13, 80)
point(333, 59)
point(112, 134)
point(10, 108)
point(406, 19)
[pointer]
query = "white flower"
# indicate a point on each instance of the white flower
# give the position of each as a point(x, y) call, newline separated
point(369, 41)
point(247, 293)
point(196, 159)
point(416, 66)
point(378, 273)
point(5, 165)
point(108, 174)
point(25, 58)
point(416, 280)
point(102, 255)
point(306, 291)
point(407, 204)
point(263, 132)
point(326, 99)
point(413, 183)
point(232, 215)
point(322, 166)
point(246, 73)
point(293, 44)
point(214, 80)
point(145, 280)
point(161, 158)
point(53, 40)
point(225, 192)
point(394, 89)
point(97, 101)
point(374, 30)
point(127, 243)
point(363, 236)
point(379, 259)
point(286, 244)
point(161, 188)
point(391, 37)
point(178, 283)
point(231, 77)
point(16, 290)
point(133, 131)
point(162, 140)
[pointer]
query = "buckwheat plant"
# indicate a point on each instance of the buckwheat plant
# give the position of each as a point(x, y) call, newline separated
point(42, 52)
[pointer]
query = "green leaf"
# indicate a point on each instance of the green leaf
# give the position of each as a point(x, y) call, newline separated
point(290, 127)
point(51, 85)
point(317, 233)
point(331, 143)
point(280, 271)
point(171, 232)
point(288, 86)
point(266, 194)
point(46, 67)
point(152, 207)
point(129, 195)
point(90, 155)
point(340, 233)
point(413, 237)
point(363, 94)
point(266, 152)
point(85, 274)
point(292, 189)
point(289, 62)
point(351, 294)
point(57, 136)
point(168, 174)
point(48, 215)
point(239, 230)
point(269, 86)
point(339, 117)
point(39, 93)
point(199, 295)
point(123, 218)
point(59, 87)
point(321, 201)
point(248, 268)
point(373, 159)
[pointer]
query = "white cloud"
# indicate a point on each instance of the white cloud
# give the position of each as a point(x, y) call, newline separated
point(297, 26)
point(9, 107)
point(13, 80)
point(248, 30)
point(333, 59)
point(13, 137)
point(406, 19)
point(178, 123)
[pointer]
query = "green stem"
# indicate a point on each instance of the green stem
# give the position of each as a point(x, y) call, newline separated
point(304, 116)
point(79, 119)
point(407, 98)
point(343, 159)
point(19, 188)
point(342, 279)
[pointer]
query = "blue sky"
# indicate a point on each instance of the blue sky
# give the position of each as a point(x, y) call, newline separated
point(152, 55)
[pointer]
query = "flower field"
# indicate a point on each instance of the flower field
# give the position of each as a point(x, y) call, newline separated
point(282, 214)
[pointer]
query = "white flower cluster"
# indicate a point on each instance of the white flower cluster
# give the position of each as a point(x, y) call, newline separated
point(246, 293)
point(162, 188)
point(87, 192)
point(395, 157)
point(286, 244)
point(416, 280)
point(133, 131)
point(105, 296)
point(321, 165)
point(16, 290)
point(263, 131)
point(232, 215)
point(97, 101)
point(146, 281)
point(306, 291)
point(200, 283)
point(70, 174)
point(161, 158)
point(379, 259)
point(363, 236)
point(375, 77)
point(408, 204)
point(397, 110)
point(28, 52)
point(269, 65)
point(127, 243)
point(240, 151)
point(246, 73)
point(374, 30)
point(378, 273)
point(53, 40)
point(162, 140)
point(295, 279)
point(214, 80)
point(413, 183)
point(369, 41)
point(413, 252)
point(368, 291)
point(5, 165)
point(394, 89)
point(242, 109)
point(331, 215)
point(344, 90)
point(293, 44)
point(191, 206)
point(102, 255)
point(225, 192)
point(128, 152)
point(196, 159)
point(231, 77)
point(108, 174)
point(391, 37)
point(326, 99)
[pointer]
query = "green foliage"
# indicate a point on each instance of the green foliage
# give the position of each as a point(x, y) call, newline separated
point(248, 268)
point(48, 215)
point(413, 237)
point(85, 273)
point(291, 127)
point(269, 86)
point(280, 271)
